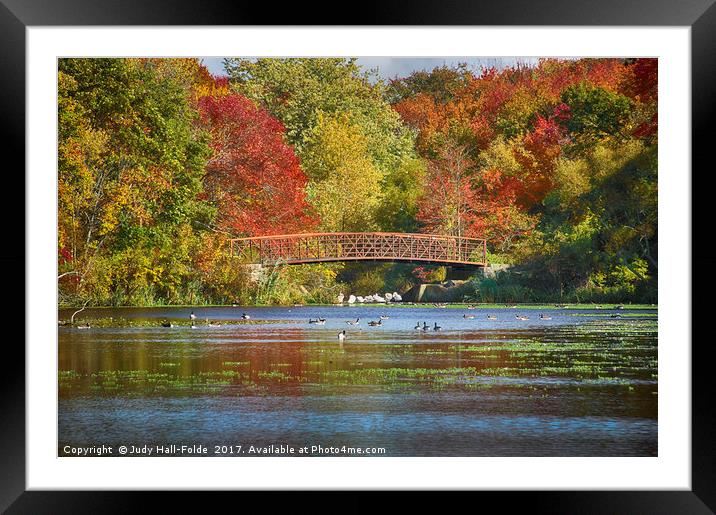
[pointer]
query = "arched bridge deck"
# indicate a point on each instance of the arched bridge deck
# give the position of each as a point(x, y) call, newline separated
point(360, 246)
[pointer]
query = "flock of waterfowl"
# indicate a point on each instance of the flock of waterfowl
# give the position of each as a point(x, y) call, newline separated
point(372, 323)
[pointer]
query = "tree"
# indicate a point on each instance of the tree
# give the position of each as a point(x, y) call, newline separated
point(595, 112)
point(130, 161)
point(445, 207)
point(344, 183)
point(253, 176)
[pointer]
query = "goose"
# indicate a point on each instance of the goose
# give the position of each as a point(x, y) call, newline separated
point(378, 298)
point(373, 323)
point(491, 317)
point(425, 326)
point(417, 326)
point(384, 317)
point(616, 315)
point(192, 316)
point(522, 317)
point(396, 297)
point(545, 317)
point(468, 316)
point(166, 323)
point(436, 327)
point(352, 322)
point(211, 324)
point(351, 299)
point(245, 316)
point(318, 321)
point(86, 326)
point(193, 325)
point(342, 335)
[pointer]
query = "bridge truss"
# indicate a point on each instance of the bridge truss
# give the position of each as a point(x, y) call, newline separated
point(360, 246)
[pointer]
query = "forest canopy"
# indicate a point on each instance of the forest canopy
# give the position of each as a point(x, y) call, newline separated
point(160, 163)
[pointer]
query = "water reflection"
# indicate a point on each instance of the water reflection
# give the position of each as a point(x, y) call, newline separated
point(581, 383)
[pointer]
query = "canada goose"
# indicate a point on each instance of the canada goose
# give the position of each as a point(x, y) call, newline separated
point(436, 327)
point(318, 321)
point(245, 316)
point(468, 316)
point(384, 317)
point(425, 326)
point(166, 323)
point(351, 322)
point(192, 316)
point(545, 317)
point(417, 326)
point(374, 323)
point(616, 315)
point(342, 335)
point(491, 317)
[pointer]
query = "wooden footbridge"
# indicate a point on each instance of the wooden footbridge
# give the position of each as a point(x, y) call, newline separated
point(293, 249)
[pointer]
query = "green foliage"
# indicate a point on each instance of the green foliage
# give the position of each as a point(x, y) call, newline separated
point(555, 165)
point(596, 112)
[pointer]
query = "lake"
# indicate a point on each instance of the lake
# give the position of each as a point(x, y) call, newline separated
point(579, 384)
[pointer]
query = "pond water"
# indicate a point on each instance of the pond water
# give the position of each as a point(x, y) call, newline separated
point(580, 384)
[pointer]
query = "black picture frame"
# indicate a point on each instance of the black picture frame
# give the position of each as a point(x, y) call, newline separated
point(699, 15)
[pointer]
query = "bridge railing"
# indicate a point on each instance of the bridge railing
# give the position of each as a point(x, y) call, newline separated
point(353, 246)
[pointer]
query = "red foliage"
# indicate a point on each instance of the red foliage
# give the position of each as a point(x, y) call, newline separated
point(543, 146)
point(254, 176)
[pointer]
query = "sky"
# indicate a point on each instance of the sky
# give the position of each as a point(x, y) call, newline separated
point(389, 67)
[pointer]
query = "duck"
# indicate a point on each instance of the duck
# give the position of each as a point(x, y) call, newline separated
point(468, 316)
point(166, 323)
point(544, 317)
point(86, 326)
point(192, 316)
point(375, 323)
point(245, 316)
point(342, 335)
point(491, 317)
point(353, 322)
point(522, 317)
point(436, 327)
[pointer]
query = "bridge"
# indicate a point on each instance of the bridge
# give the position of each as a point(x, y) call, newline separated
point(294, 249)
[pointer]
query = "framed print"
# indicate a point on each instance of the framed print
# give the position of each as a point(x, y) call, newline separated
point(385, 256)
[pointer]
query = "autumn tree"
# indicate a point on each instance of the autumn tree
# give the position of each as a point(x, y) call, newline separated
point(344, 183)
point(253, 175)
